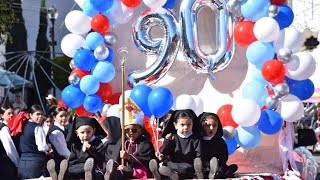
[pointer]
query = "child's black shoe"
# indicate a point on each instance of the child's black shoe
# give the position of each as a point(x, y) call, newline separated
point(153, 166)
point(213, 168)
point(51, 166)
point(63, 169)
point(164, 170)
point(231, 170)
point(88, 169)
point(197, 163)
point(109, 169)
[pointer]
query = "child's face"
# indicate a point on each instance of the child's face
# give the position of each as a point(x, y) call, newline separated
point(37, 116)
point(210, 127)
point(48, 122)
point(8, 114)
point(183, 126)
point(85, 132)
point(133, 131)
point(61, 118)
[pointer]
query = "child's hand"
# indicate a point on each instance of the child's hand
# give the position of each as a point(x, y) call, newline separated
point(86, 146)
point(124, 155)
point(120, 167)
point(169, 136)
point(159, 156)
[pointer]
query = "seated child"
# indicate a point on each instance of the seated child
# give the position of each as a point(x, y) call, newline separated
point(180, 152)
point(214, 153)
point(138, 150)
point(85, 155)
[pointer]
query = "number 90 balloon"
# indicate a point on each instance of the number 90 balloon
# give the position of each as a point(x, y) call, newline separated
point(168, 46)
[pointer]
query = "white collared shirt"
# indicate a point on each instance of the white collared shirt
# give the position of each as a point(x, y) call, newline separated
point(184, 136)
point(59, 141)
point(8, 145)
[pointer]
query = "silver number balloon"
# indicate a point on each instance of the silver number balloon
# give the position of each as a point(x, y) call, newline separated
point(166, 48)
point(200, 61)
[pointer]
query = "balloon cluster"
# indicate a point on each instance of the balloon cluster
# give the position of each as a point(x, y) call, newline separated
point(279, 77)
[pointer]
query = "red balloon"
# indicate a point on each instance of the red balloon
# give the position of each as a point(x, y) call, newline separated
point(105, 91)
point(243, 33)
point(131, 3)
point(80, 111)
point(62, 104)
point(80, 72)
point(278, 2)
point(114, 98)
point(273, 71)
point(100, 23)
point(224, 113)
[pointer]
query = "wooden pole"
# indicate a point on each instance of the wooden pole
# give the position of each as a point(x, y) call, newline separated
point(123, 52)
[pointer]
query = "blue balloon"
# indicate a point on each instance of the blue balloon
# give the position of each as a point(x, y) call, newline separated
point(139, 95)
point(256, 75)
point(302, 89)
point(231, 144)
point(111, 55)
point(248, 137)
point(88, 9)
point(254, 10)
point(111, 20)
point(255, 91)
point(84, 59)
point(258, 53)
point(169, 4)
point(160, 101)
point(285, 16)
point(89, 84)
point(101, 5)
point(72, 96)
point(93, 40)
point(92, 103)
point(104, 71)
point(270, 122)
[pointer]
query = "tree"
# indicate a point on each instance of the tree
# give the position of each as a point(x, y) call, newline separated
point(7, 18)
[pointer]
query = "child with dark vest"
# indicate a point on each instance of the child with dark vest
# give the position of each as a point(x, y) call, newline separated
point(214, 153)
point(86, 158)
point(180, 152)
point(9, 157)
point(33, 146)
point(57, 138)
point(138, 149)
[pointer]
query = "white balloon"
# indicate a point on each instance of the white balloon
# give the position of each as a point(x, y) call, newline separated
point(126, 95)
point(245, 112)
point(199, 104)
point(77, 22)
point(301, 67)
point(71, 42)
point(185, 101)
point(229, 132)
point(114, 110)
point(120, 13)
point(290, 108)
point(105, 108)
point(266, 29)
point(154, 3)
point(289, 38)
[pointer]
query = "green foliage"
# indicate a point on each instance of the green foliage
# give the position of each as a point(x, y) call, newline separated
point(60, 76)
point(7, 18)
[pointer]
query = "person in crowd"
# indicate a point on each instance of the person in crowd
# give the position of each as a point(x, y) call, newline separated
point(6, 113)
point(113, 125)
point(33, 146)
point(214, 159)
point(19, 103)
point(9, 157)
point(57, 138)
point(47, 123)
point(51, 103)
point(181, 149)
point(138, 149)
point(86, 158)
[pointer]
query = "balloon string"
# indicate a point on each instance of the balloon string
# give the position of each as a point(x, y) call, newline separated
point(153, 132)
